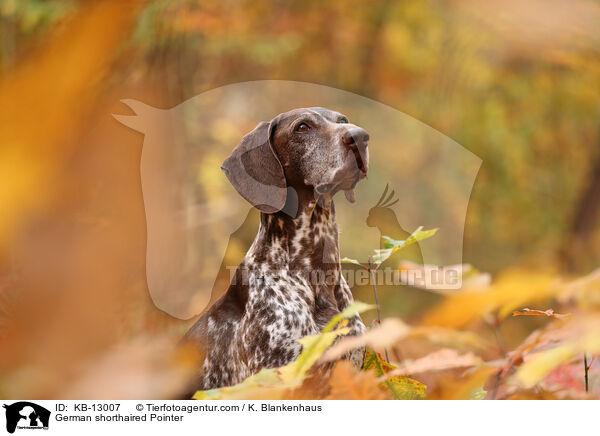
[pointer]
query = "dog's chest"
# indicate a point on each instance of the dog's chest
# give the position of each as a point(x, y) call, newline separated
point(286, 276)
point(286, 299)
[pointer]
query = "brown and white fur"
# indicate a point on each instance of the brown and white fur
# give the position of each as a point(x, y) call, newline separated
point(289, 284)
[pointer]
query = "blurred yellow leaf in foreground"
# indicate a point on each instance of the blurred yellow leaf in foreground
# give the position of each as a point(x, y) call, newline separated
point(44, 100)
point(509, 291)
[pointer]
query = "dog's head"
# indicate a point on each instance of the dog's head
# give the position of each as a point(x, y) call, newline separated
point(312, 150)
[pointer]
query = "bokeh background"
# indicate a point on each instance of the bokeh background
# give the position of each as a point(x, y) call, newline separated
point(516, 83)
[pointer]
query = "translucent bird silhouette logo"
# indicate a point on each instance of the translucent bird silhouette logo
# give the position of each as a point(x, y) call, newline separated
point(384, 218)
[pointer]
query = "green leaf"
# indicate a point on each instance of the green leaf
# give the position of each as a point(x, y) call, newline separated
point(350, 311)
point(416, 236)
point(272, 382)
point(313, 348)
point(478, 394)
point(381, 256)
point(354, 261)
point(391, 246)
point(265, 379)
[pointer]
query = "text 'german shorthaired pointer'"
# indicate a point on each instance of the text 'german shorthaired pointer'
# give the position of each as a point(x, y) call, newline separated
point(289, 284)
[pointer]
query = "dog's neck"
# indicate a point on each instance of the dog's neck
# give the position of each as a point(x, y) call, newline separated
point(308, 241)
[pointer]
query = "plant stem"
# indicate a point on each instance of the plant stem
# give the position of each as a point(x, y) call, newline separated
point(495, 324)
point(376, 297)
point(373, 278)
point(496, 384)
point(586, 368)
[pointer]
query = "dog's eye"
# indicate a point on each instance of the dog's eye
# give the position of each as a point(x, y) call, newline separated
point(302, 127)
point(343, 120)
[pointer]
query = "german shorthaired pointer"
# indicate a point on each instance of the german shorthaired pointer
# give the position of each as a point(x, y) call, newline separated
point(289, 284)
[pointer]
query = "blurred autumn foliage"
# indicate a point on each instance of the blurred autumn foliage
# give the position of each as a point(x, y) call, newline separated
point(517, 83)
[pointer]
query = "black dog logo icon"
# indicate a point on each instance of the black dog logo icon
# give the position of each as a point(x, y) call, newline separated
point(24, 414)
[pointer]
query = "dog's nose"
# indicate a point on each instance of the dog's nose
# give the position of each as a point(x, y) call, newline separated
point(356, 137)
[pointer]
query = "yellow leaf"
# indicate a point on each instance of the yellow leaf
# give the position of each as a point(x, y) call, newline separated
point(542, 363)
point(511, 290)
point(42, 102)
point(399, 387)
point(313, 348)
point(351, 310)
point(579, 335)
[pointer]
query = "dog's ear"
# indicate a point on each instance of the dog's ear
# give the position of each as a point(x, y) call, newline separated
point(255, 171)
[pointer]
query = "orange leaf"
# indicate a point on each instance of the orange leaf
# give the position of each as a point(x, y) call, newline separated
point(549, 312)
point(348, 384)
point(43, 101)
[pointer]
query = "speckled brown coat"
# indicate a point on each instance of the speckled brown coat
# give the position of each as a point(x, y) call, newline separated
point(289, 284)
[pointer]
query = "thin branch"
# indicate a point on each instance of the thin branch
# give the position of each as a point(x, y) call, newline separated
point(495, 324)
point(372, 272)
point(373, 279)
point(496, 384)
point(591, 362)
point(586, 369)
